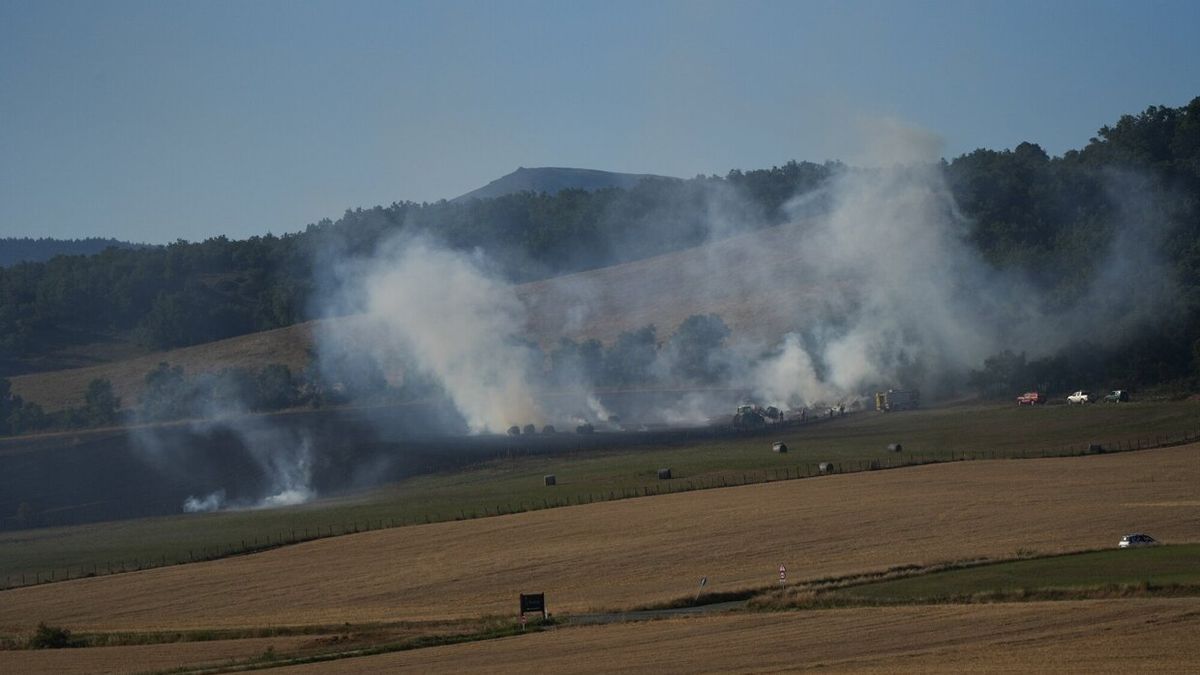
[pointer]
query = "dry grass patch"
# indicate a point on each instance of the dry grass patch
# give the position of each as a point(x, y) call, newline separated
point(641, 551)
point(61, 389)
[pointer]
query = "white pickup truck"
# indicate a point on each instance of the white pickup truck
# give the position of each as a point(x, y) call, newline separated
point(1080, 397)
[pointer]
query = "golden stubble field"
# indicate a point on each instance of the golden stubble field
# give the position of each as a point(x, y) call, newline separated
point(1085, 637)
point(142, 658)
point(629, 553)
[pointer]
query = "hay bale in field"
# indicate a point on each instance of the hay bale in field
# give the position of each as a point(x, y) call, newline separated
point(551, 479)
point(529, 429)
point(895, 447)
point(826, 467)
point(664, 474)
point(1096, 448)
point(779, 446)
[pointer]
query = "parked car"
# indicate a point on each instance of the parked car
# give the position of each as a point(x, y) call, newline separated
point(1080, 397)
point(1031, 398)
point(1136, 539)
point(1117, 396)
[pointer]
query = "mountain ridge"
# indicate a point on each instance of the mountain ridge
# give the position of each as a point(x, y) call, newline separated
point(555, 179)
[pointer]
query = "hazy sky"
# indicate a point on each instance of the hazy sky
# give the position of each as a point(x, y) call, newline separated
point(159, 120)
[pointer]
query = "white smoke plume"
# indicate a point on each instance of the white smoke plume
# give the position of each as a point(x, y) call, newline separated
point(213, 501)
point(441, 315)
point(907, 300)
point(872, 284)
point(284, 456)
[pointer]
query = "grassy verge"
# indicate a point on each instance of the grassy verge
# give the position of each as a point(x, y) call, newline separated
point(1156, 571)
point(57, 636)
point(328, 643)
point(488, 629)
point(852, 443)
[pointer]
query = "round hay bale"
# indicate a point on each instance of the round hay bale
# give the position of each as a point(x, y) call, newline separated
point(826, 467)
point(664, 474)
point(895, 447)
point(779, 446)
point(1096, 448)
point(551, 479)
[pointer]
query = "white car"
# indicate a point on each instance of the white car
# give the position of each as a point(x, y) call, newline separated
point(1136, 539)
point(1080, 397)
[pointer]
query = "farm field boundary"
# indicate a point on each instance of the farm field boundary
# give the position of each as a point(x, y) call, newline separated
point(839, 526)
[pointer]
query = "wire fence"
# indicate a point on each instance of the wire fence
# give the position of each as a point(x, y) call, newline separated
point(556, 499)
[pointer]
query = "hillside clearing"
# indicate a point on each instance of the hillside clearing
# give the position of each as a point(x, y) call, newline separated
point(598, 304)
point(639, 551)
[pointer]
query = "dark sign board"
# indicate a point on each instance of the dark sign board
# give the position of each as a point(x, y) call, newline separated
point(533, 602)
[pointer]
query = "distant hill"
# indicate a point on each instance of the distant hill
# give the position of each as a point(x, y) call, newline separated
point(684, 286)
point(553, 180)
point(25, 249)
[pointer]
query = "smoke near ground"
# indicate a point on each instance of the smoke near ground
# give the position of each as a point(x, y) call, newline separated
point(872, 284)
point(282, 456)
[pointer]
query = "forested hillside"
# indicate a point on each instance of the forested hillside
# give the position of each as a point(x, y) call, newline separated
point(15, 250)
point(1051, 217)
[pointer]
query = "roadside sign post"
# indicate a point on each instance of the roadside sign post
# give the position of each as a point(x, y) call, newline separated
point(782, 574)
point(532, 602)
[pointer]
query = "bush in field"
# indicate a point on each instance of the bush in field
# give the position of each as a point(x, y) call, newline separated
point(50, 637)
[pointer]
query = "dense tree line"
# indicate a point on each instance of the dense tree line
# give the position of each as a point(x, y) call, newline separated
point(17, 416)
point(170, 394)
point(15, 250)
point(189, 293)
point(1055, 217)
point(1051, 217)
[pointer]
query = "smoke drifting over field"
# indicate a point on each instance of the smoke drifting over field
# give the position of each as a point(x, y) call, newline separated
point(872, 284)
point(282, 457)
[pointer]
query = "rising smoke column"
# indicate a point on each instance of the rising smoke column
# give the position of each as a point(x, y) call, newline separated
point(909, 301)
point(283, 455)
point(441, 313)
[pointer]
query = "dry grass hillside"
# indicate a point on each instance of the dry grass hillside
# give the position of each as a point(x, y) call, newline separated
point(60, 389)
point(638, 551)
point(760, 301)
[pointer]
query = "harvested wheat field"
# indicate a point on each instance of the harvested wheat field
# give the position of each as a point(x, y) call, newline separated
point(142, 658)
point(1094, 637)
point(639, 551)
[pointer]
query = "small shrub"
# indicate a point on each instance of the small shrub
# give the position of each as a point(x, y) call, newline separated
point(50, 637)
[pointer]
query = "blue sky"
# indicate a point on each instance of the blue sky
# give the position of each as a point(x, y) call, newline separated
point(153, 121)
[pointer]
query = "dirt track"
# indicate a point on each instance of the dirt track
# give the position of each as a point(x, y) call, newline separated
point(631, 552)
point(1092, 637)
